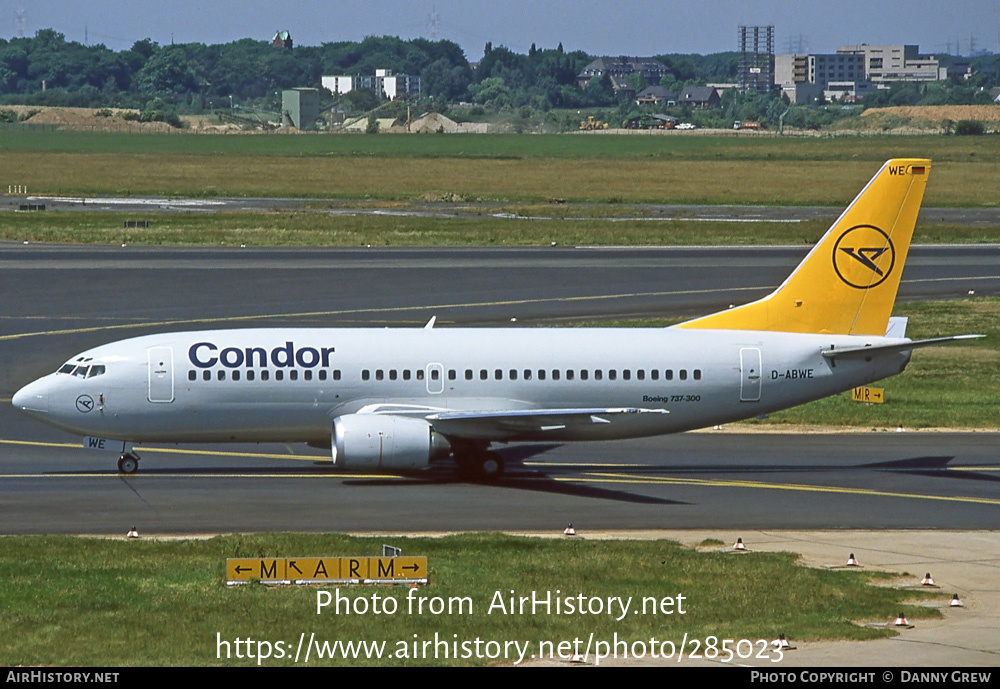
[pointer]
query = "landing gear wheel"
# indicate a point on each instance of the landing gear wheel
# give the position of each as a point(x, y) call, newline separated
point(490, 466)
point(128, 463)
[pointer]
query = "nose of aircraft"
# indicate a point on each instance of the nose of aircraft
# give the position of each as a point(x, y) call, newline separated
point(31, 398)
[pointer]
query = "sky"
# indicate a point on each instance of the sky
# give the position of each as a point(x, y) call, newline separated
point(619, 27)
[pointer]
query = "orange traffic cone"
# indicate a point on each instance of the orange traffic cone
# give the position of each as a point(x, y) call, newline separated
point(569, 531)
point(132, 533)
point(851, 562)
point(739, 545)
point(901, 621)
point(956, 602)
point(927, 581)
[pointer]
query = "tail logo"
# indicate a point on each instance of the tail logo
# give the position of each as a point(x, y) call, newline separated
point(864, 257)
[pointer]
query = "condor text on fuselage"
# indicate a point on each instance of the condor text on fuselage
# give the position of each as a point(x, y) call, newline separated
point(208, 354)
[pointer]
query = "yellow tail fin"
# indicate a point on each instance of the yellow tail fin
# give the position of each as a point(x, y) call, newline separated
point(847, 284)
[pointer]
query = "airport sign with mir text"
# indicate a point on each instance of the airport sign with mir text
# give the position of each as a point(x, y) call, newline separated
point(869, 395)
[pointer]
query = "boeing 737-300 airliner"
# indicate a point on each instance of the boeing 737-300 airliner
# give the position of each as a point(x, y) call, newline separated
point(400, 398)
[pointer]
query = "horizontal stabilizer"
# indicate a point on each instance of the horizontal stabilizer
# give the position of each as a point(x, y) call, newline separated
point(867, 351)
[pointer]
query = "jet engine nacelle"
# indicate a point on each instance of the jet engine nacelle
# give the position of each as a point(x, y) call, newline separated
point(376, 441)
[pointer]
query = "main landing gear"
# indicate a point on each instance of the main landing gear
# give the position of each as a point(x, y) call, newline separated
point(477, 463)
point(128, 463)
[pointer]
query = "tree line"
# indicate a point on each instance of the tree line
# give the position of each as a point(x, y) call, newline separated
point(193, 78)
point(46, 69)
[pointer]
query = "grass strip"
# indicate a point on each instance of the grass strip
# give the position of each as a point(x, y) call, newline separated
point(707, 170)
point(506, 227)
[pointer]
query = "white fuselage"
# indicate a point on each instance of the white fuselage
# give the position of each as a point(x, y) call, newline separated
point(287, 385)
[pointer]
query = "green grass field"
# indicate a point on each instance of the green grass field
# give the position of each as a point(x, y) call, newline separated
point(504, 168)
point(93, 602)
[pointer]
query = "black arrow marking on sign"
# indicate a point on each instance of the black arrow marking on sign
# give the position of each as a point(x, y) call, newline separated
point(291, 563)
point(240, 570)
point(415, 568)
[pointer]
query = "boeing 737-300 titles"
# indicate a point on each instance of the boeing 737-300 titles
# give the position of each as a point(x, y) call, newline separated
point(400, 398)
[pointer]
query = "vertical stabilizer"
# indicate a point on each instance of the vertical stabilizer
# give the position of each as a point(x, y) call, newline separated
point(847, 284)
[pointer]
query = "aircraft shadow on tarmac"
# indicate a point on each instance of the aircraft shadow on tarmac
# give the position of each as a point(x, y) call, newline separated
point(936, 467)
point(560, 478)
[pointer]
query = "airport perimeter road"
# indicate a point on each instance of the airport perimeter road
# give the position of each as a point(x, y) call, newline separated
point(61, 300)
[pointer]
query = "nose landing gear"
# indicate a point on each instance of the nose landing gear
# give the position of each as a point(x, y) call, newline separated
point(128, 463)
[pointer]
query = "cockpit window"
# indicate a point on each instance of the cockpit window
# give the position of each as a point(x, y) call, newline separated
point(83, 371)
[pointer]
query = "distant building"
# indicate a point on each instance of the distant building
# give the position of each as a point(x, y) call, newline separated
point(384, 83)
point(282, 39)
point(300, 108)
point(699, 97)
point(656, 95)
point(619, 69)
point(805, 78)
point(756, 48)
point(889, 63)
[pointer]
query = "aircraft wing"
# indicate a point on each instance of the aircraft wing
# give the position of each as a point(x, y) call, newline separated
point(480, 424)
point(867, 351)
